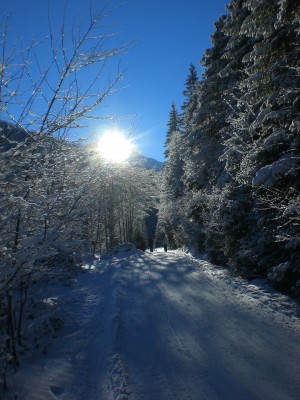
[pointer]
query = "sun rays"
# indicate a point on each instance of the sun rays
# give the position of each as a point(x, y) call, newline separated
point(114, 146)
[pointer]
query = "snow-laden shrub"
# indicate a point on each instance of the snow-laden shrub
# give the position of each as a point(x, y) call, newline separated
point(278, 273)
point(122, 251)
point(286, 275)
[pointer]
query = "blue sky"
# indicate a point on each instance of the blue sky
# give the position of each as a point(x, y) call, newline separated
point(168, 36)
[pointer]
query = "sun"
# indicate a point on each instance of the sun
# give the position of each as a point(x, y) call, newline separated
point(114, 147)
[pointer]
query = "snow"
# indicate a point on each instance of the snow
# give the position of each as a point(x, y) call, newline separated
point(267, 175)
point(144, 326)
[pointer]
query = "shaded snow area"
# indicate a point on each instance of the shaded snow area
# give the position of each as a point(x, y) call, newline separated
point(163, 326)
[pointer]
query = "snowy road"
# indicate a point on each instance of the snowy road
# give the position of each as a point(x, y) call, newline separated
point(159, 326)
point(178, 336)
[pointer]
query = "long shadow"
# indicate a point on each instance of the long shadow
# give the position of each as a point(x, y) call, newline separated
point(179, 336)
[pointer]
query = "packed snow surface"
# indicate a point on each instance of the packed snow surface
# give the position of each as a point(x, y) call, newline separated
point(163, 326)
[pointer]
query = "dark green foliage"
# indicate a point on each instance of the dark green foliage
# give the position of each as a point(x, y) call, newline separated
point(239, 151)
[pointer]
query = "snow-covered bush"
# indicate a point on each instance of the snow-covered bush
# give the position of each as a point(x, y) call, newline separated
point(43, 177)
point(286, 276)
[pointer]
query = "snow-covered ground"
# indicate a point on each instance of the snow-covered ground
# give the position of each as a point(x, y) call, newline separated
point(163, 326)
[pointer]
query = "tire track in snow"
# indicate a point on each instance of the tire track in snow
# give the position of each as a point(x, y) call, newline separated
point(147, 328)
point(181, 337)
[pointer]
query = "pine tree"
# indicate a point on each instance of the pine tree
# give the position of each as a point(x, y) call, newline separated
point(190, 95)
point(172, 186)
point(239, 153)
point(174, 125)
point(262, 151)
point(202, 146)
point(227, 224)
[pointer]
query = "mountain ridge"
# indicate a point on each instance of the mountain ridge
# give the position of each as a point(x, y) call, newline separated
point(146, 162)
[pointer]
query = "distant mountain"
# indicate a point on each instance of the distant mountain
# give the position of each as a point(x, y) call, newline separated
point(11, 135)
point(146, 162)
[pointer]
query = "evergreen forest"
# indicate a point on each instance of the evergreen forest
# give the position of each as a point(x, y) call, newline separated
point(231, 177)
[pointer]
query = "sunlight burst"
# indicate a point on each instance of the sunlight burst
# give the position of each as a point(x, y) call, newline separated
point(113, 146)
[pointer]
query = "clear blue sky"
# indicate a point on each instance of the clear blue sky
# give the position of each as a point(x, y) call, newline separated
point(169, 35)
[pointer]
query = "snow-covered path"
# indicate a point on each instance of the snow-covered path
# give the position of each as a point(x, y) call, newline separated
point(162, 326)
